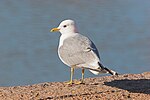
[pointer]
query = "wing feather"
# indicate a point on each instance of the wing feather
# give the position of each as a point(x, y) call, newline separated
point(78, 50)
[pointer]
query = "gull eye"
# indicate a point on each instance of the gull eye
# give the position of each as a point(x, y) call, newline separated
point(65, 26)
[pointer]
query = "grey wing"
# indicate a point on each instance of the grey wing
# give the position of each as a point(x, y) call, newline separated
point(78, 50)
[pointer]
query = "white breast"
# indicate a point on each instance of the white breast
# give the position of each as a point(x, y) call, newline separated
point(65, 36)
point(61, 40)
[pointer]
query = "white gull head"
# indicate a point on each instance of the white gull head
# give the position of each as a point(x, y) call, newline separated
point(66, 27)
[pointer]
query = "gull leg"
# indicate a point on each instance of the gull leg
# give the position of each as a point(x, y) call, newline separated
point(82, 80)
point(71, 75)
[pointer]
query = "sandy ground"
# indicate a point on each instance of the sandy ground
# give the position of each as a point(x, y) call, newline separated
point(122, 87)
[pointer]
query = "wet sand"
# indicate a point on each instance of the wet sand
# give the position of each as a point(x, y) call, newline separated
point(122, 87)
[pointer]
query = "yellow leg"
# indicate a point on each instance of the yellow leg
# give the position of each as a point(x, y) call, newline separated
point(82, 81)
point(71, 75)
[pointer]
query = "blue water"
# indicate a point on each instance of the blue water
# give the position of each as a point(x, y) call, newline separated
point(28, 51)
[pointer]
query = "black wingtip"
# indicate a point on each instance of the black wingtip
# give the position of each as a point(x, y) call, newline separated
point(111, 71)
point(108, 70)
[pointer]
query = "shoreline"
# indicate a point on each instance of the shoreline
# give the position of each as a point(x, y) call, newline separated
point(126, 86)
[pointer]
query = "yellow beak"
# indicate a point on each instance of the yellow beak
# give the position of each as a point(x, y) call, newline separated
point(54, 29)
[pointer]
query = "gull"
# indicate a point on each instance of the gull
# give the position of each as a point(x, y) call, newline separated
point(78, 51)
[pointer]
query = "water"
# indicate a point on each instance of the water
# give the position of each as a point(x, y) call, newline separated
point(28, 51)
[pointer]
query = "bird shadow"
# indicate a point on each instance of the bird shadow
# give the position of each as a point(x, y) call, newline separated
point(135, 86)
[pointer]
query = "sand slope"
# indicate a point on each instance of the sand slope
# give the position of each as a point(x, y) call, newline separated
point(122, 87)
